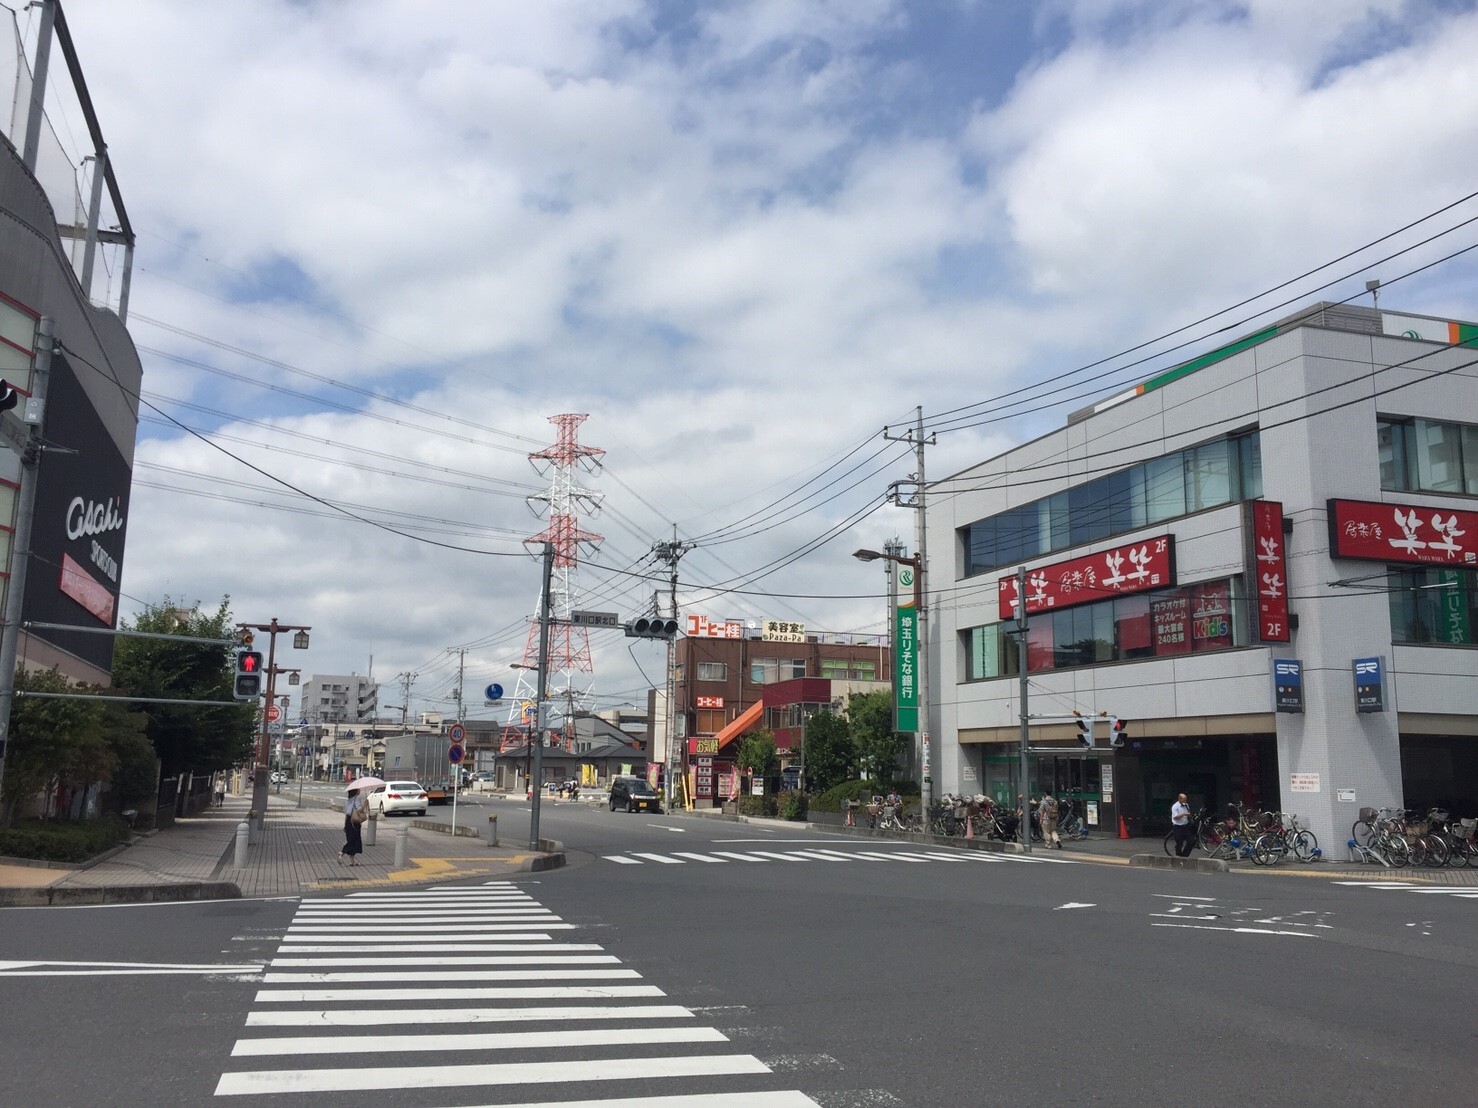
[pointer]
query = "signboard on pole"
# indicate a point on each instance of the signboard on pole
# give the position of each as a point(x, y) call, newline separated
point(274, 713)
point(1369, 686)
point(1271, 569)
point(906, 666)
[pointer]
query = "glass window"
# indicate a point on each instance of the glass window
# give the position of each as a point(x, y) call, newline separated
point(1391, 445)
point(713, 671)
point(1439, 459)
point(1211, 616)
point(1470, 462)
point(1249, 463)
point(1170, 614)
point(710, 721)
point(1164, 488)
point(1039, 645)
point(1433, 605)
point(1208, 475)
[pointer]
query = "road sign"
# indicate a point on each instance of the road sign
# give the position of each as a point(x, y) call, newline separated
point(494, 692)
point(454, 755)
point(456, 732)
point(596, 619)
point(274, 713)
point(302, 723)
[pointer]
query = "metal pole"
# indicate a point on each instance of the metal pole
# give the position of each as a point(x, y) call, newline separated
point(25, 515)
point(676, 758)
point(90, 245)
point(536, 738)
point(926, 786)
point(38, 84)
point(1026, 793)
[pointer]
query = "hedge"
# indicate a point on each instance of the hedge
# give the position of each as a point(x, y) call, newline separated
point(62, 841)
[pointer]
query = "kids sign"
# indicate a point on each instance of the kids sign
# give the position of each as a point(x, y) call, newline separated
point(1403, 533)
point(1135, 567)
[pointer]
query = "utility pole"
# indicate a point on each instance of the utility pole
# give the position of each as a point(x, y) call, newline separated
point(671, 553)
point(914, 498)
point(25, 515)
point(406, 681)
point(1026, 792)
point(541, 712)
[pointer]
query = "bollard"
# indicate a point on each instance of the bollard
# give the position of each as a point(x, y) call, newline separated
point(253, 827)
point(401, 835)
point(243, 832)
point(493, 830)
point(369, 830)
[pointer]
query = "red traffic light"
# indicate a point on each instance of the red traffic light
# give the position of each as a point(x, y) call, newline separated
point(249, 661)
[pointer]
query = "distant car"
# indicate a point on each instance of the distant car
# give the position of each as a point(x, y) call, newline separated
point(399, 796)
point(635, 795)
point(278, 777)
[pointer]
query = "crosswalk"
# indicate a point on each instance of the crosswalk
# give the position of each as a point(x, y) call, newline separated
point(1464, 892)
point(678, 857)
point(476, 989)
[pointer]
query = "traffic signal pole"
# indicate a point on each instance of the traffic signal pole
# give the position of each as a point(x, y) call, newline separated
point(259, 785)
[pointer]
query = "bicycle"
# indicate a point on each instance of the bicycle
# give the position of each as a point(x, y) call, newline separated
point(1382, 832)
point(1070, 825)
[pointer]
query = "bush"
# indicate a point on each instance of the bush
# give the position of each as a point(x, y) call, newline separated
point(758, 806)
point(793, 804)
point(57, 841)
point(864, 791)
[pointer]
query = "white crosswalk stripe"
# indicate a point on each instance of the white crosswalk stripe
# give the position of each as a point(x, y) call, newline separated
point(473, 1005)
point(1462, 892)
point(826, 854)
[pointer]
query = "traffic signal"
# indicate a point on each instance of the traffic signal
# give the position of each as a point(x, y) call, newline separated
point(1116, 731)
point(9, 397)
point(248, 685)
point(1085, 729)
point(651, 627)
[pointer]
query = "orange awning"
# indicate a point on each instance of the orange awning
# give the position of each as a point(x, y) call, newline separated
point(742, 723)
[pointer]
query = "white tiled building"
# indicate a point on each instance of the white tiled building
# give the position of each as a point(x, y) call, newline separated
point(1362, 414)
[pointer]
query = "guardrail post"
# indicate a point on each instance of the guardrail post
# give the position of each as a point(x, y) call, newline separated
point(401, 836)
point(243, 833)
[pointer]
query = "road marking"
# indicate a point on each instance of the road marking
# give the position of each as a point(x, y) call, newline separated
point(44, 968)
point(698, 857)
point(946, 857)
point(841, 855)
point(1238, 930)
point(788, 1098)
point(480, 960)
point(360, 1017)
point(1169, 896)
point(823, 855)
point(490, 1040)
point(445, 1076)
point(737, 857)
point(1073, 904)
point(777, 855)
point(492, 944)
point(665, 827)
point(658, 858)
point(420, 926)
point(370, 977)
point(621, 860)
point(510, 992)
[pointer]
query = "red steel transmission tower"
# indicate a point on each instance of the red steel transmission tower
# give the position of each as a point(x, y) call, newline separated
point(569, 645)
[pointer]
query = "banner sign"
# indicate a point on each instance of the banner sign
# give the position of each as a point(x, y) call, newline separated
point(1369, 688)
point(1134, 567)
point(1271, 572)
point(1402, 533)
point(1288, 684)
point(708, 702)
point(1456, 626)
point(778, 630)
point(701, 627)
point(906, 667)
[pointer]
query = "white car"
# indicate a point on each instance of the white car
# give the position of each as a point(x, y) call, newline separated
point(399, 796)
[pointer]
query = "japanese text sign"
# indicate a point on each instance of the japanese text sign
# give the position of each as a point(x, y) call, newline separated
point(1270, 571)
point(1134, 567)
point(1403, 533)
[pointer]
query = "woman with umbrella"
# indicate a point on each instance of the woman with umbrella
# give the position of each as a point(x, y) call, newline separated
point(356, 811)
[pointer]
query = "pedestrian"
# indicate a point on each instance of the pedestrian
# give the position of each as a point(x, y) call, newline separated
point(356, 811)
point(1047, 820)
point(1180, 822)
point(220, 792)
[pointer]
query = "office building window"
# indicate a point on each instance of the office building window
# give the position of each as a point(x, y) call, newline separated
point(1425, 455)
point(709, 721)
point(766, 671)
point(849, 669)
point(1431, 604)
point(713, 671)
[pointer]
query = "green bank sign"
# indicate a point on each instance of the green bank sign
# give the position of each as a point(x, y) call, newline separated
point(906, 660)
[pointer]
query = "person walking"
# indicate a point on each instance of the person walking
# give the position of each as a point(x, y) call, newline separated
point(356, 811)
point(1180, 823)
point(1047, 820)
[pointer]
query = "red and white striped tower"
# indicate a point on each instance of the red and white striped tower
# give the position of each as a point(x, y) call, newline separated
point(569, 646)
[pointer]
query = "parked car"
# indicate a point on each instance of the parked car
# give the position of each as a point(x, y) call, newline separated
point(635, 795)
point(399, 796)
point(278, 777)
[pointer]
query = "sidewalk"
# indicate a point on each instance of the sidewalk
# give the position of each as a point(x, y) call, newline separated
point(296, 855)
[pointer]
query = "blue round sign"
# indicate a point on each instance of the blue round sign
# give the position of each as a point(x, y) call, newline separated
point(494, 692)
point(454, 755)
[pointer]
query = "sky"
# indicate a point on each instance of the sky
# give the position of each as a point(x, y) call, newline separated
point(381, 243)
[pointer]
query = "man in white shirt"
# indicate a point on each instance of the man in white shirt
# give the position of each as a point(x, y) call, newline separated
point(1185, 834)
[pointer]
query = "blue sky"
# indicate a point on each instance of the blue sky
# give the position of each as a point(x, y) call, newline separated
point(742, 237)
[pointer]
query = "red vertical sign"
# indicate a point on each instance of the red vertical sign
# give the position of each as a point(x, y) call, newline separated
point(1270, 568)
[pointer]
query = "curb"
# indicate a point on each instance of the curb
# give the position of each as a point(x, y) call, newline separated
point(544, 862)
point(53, 897)
point(1164, 861)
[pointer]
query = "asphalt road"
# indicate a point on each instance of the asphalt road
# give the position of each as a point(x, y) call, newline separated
point(770, 964)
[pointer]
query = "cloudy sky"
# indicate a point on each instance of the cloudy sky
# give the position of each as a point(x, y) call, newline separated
point(382, 242)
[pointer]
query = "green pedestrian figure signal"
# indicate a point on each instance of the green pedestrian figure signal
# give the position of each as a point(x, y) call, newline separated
point(248, 680)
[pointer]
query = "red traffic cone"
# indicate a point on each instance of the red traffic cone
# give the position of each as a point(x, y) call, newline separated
point(1123, 827)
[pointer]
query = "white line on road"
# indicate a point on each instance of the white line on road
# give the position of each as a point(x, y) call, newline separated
point(370, 977)
point(775, 854)
point(483, 960)
point(786, 1098)
point(511, 992)
point(657, 858)
point(698, 857)
point(368, 1078)
point(1073, 904)
point(491, 945)
point(665, 827)
point(621, 860)
point(488, 1040)
point(424, 926)
point(42, 968)
point(737, 857)
point(410, 936)
point(1238, 930)
point(360, 1017)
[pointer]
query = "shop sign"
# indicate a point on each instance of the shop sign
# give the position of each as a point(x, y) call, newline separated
point(1455, 626)
point(1288, 684)
point(1092, 813)
point(701, 627)
point(1402, 533)
point(708, 702)
point(1369, 688)
point(1134, 567)
point(703, 746)
point(1345, 796)
point(906, 668)
point(1170, 619)
point(1106, 781)
point(1271, 571)
point(1303, 782)
point(778, 630)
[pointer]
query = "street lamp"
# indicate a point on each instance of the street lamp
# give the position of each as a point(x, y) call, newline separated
point(926, 786)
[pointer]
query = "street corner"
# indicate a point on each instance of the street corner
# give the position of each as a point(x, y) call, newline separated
point(422, 871)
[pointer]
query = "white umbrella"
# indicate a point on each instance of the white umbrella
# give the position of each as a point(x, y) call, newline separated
point(364, 783)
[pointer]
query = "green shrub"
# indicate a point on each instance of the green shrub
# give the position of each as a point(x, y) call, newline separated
point(62, 841)
point(793, 804)
point(758, 806)
point(831, 800)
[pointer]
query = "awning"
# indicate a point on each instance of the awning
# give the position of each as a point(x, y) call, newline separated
point(742, 723)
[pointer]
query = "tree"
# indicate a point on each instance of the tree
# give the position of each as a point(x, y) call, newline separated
point(200, 738)
point(829, 751)
point(52, 741)
point(878, 746)
point(757, 754)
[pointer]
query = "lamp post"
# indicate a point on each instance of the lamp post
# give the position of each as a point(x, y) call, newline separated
point(926, 786)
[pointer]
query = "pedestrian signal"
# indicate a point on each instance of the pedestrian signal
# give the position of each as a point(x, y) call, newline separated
point(1085, 729)
point(248, 682)
point(9, 397)
point(1116, 731)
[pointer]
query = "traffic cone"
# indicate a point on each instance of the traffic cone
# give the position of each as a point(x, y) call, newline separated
point(1123, 827)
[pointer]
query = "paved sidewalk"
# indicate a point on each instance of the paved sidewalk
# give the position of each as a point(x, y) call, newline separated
point(298, 854)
